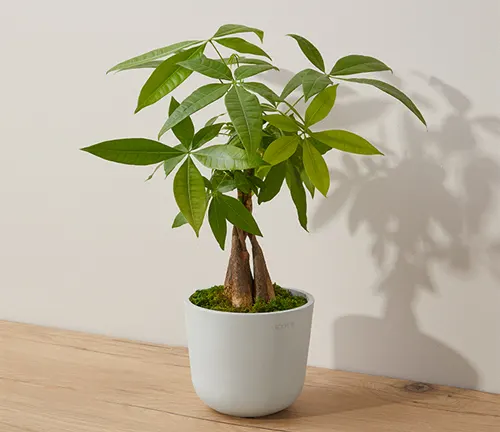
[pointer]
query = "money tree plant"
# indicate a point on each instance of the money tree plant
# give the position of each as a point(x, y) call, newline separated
point(259, 143)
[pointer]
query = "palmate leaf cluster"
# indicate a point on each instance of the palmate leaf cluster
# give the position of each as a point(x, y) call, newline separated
point(260, 143)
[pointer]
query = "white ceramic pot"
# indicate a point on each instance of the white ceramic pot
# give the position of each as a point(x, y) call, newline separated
point(249, 365)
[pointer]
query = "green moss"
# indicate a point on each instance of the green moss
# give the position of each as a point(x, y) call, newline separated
point(215, 299)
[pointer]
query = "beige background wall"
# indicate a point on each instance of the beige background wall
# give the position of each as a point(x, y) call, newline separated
point(403, 257)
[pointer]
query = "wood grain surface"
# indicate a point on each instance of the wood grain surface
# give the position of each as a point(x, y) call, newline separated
point(55, 380)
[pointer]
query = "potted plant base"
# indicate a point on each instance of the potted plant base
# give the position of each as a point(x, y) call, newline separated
point(249, 364)
point(248, 339)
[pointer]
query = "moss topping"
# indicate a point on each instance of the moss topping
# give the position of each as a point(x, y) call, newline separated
point(215, 299)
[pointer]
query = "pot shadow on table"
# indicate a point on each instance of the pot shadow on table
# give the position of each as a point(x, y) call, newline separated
point(416, 221)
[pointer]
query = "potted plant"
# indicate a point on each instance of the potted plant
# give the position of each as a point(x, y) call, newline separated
point(248, 338)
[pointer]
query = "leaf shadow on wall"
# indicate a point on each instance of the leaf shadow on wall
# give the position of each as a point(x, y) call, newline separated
point(417, 222)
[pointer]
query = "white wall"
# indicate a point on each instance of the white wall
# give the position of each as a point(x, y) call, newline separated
point(403, 257)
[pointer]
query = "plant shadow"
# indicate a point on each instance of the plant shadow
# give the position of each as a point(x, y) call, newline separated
point(417, 221)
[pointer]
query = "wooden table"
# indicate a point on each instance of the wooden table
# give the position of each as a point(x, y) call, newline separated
point(55, 380)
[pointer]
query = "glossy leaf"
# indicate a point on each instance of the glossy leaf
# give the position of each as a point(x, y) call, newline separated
point(242, 46)
point(206, 134)
point(179, 221)
point(307, 182)
point(166, 77)
point(236, 213)
point(133, 151)
point(170, 164)
point(313, 82)
point(262, 90)
point(217, 222)
point(223, 182)
point(393, 91)
point(246, 71)
point(293, 84)
point(310, 51)
point(245, 112)
point(197, 100)
point(253, 61)
point(184, 131)
point(148, 65)
point(134, 62)
point(346, 141)
point(322, 148)
point(227, 157)
point(213, 119)
point(315, 167)
point(273, 182)
point(242, 182)
point(297, 193)
point(321, 105)
point(208, 67)
point(228, 29)
point(282, 122)
point(356, 64)
point(190, 195)
point(281, 149)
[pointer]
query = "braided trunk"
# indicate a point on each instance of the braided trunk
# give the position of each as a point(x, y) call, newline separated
point(241, 286)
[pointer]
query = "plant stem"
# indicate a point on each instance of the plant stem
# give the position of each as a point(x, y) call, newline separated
point(295, 103)
point(217, 51)
point(292, 108)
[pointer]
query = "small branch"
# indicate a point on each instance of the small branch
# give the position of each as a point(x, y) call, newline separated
point(295, 103)
point(219, 54)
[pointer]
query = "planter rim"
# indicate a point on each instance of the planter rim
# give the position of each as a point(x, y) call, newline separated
point(309, 297)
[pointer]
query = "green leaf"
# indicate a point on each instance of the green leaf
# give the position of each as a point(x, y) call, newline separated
point(322, 148)
point(273, 182)
point(133, 151)
point(134, 62)
point(242, 46)
point(356, 64)
point(242, 182)
point(228, 29)
point(316, 167)
point(310, 51)
point(247, 71)
point(268, 108)
point(197, 100)
point(206, 134)
point(281, 149)
point(390, 90)
point(190, 195)
point(149, 65)
point(294, 82)
point(262, 90)
point(236, 213)
point(208, 67)
point(245, 112)
point(179, 220)
point(227, 157)
point(223, 182)
point(307, 182)
point(253, 61)
point(170, 164)
point(313, 82)
point(321, 105)
point(346, 141)
point(297, 192)
point(184, 131)
point(282, 122)
point(217, 222)
point(212, 120)
point(166, 77)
